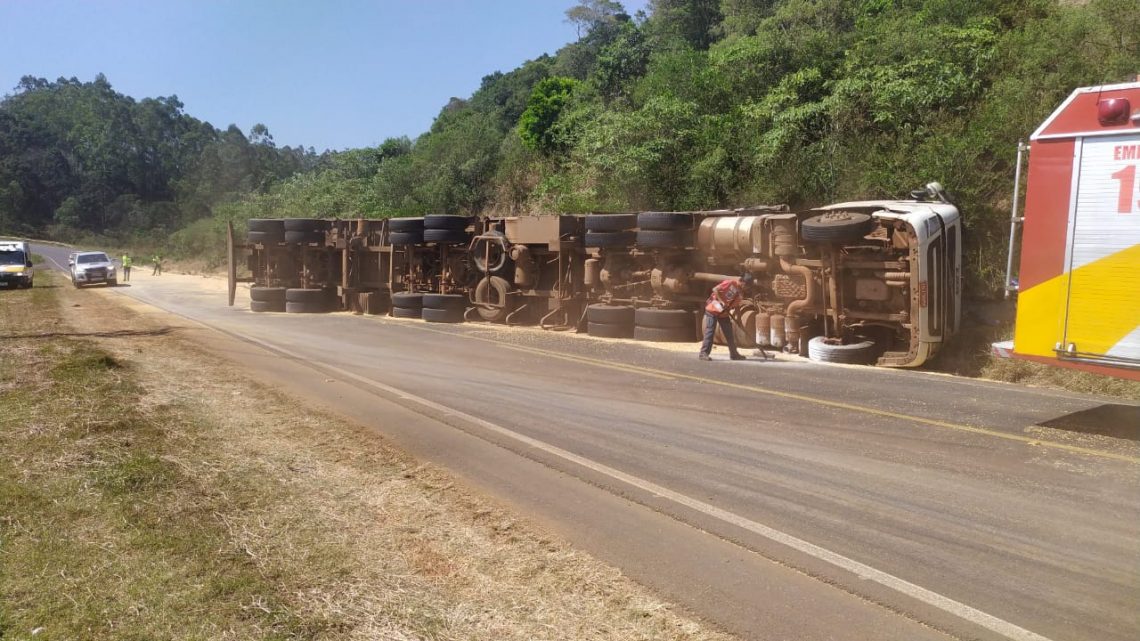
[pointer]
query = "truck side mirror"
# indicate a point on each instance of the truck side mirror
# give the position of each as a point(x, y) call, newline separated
point(28, 264)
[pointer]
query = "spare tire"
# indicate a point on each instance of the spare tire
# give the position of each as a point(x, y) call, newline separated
point(607, 330)
point(665, 220)
point(310, 295)
point(836, 227)
point(822, 349)
point(651, 317)
point(496, 259)
point(660, 239)
point(445, 236)
point(407, 312)
point(267, 294)
point(405, 237)
point(610, 222)
point(665, 334)
point(442, 315)
point(446, 221)
point(408, 300)
point(610, 314)
point(405, 224)
point(610, 238)
point(492, 291)
point(306, 224)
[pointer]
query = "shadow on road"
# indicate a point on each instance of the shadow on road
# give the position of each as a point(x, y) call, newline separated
point(1119, 421)
point(121, 333)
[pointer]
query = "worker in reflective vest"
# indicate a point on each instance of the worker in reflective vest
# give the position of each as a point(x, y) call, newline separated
point(725, 296)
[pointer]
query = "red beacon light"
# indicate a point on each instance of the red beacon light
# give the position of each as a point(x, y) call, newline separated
point(1113, 111)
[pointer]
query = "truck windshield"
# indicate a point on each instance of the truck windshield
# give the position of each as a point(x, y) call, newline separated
point(11, 257)
point(93, 258)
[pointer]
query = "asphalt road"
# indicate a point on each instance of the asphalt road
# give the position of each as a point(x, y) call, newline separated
point(780, 500)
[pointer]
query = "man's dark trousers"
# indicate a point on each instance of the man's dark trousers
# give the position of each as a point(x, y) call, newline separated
point(725, 323)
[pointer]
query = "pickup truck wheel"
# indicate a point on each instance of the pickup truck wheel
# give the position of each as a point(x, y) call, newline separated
point(836, 227)
point(828, 351)
point(113, 283)
point(608, 330)
point(665, 334)
point(610, 314)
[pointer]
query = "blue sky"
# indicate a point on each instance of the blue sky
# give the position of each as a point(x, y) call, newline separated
point(329, 74)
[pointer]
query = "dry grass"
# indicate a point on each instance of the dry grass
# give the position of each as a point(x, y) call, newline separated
point(148, 492)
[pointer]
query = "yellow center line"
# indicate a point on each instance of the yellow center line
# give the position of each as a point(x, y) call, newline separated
point(863, 409)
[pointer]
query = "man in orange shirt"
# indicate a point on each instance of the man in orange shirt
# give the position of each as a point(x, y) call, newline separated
point(725, 296)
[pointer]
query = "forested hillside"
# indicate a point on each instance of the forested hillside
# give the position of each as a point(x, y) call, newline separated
point(699, 104)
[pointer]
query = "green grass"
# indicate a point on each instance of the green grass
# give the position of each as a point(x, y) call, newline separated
point(101, 534)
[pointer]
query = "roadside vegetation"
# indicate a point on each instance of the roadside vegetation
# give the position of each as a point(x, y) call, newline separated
point(150, 492)
point(694, 104)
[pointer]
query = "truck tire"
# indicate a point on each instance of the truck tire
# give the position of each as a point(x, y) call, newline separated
point(407, 312)
point(408, 300)
point(448, 302)
point(861, 353)
point(662, 239)
point(611, 222)
point(405, 224)
point(452, 236)
point(306, 224)
point(664, 221)
point(608, 330)
point(267, 294)
point(313, 296)
point(405, 237)
point(271, 225)
point(610, 314)
point(265, 237)
point(446, 222)
point(836, 227)
point(667, 318)
point(492, 291)
point(304, 237)
point(665, 334)
point(443, 315)
point(610, 238)
point(305, 308)
point(498, 261)
point(267, 306)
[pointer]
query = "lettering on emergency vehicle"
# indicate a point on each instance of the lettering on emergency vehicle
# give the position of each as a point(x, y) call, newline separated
point(1126, 152)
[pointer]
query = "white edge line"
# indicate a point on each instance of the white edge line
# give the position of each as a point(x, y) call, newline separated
point(861, 570)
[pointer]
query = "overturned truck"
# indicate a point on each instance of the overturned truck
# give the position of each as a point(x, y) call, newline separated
point(858, 282)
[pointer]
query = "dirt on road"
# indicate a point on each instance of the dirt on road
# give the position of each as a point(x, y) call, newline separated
point(148, 490)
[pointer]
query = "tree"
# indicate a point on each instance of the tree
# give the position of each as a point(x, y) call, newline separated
point(542, 110)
